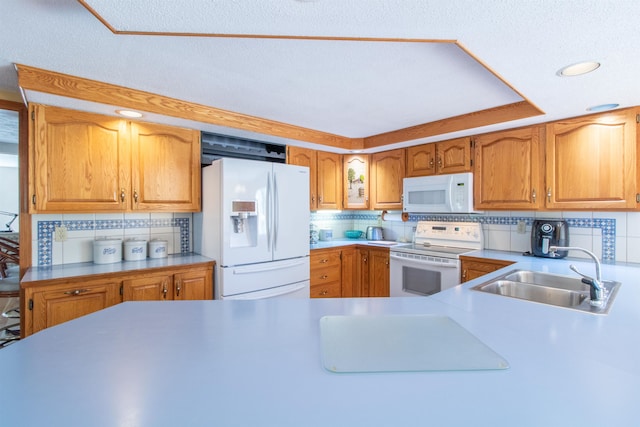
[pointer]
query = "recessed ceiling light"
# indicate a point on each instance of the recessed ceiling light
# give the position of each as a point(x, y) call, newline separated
point(578, 69)
point(129, 113)
point(603, 107)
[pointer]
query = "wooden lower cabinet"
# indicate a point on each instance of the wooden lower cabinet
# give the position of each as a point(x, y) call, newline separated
point(352, 271)
point(373, 272)
point(52, 305)
point(472, 268)
point(47, 303)
point(326, 273)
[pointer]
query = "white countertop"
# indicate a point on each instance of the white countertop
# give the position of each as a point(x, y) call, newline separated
point(62, 271)
point(257, 363)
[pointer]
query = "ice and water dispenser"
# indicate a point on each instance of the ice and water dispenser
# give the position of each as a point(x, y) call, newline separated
point(245, 223)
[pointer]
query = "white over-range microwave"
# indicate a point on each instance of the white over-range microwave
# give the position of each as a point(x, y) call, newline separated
point(452, 193)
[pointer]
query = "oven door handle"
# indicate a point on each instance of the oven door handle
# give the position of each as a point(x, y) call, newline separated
point(422, 262)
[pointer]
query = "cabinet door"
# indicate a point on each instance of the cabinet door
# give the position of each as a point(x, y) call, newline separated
point(421, 160)
point(306, 157)
point(591, 162)
point(152, 288)
point(350, 285)
point(454, 156)
point(363, 271)
point(165, 168)
point(79, 162)
point(387, 172)
point(379, 273)
point(329, 180)
point(356, 181)
point(59, 304)
point(472, 268)
point(193, 285)
point(508, 170)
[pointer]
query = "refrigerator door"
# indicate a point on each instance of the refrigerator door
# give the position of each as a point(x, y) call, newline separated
point(244, 205)
point(291, 211)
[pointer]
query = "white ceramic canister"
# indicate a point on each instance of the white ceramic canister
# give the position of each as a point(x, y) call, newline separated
point(135, 250)
point(106, 251)
point(158, 248)
point(326, 234)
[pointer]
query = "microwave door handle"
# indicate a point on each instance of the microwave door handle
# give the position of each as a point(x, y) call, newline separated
point(451, 194)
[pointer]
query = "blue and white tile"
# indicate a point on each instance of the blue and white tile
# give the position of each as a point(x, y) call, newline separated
point(633, 249)
point(621, 220)
point(77, 250)
point(633, 224)
point(583, 241)
point(79, 225)
point(621, 250)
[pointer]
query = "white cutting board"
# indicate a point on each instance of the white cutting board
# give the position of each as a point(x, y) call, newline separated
point(402, 343)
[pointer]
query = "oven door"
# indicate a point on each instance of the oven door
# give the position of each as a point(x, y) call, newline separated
point(418, 275)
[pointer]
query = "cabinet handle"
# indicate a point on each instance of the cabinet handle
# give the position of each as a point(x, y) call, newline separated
point(533, 194)
point(364, 259)
point(549, 194)
point(313, 199)
point(439, 162)
point(324, 276)
point(319, 199)
point(164, 289)
point(76, 292)
point(464, 274)
point(135, 196)
point(178, 287)
point(324, 261)
point(33, 199)
point(431, 163)
point(324, 292)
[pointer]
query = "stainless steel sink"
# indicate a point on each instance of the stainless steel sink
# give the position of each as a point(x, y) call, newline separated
point(547, 288)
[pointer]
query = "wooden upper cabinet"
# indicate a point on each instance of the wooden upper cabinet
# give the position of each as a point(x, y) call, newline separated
point(387, 172)
point(591, 162)
point(508, 170)
point(356, 181)
point(453, 156)
point(165, 168)
point(79, 162)
point(329, 180)
point(84, 162)
point(306, 157)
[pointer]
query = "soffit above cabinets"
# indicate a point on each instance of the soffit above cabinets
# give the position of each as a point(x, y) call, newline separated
point(373, 74)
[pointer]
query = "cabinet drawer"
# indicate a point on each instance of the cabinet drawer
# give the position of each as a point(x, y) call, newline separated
point(326, 290)
point(324, 260)
point(325, 275)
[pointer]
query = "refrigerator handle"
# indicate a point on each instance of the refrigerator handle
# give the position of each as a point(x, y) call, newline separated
point(276, 212)
point(268, 213)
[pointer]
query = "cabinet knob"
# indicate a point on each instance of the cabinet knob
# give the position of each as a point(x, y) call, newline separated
point(324, 292)
point(324, 261)
point(164, 289)
point(431, 163)
point(464, 274)
point(178, 287)
point(123, 195)
point(533, 194)
point(135, 196)
point(549, 194)
point(324, 276)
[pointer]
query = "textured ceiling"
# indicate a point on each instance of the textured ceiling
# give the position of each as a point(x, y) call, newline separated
point(344, 87)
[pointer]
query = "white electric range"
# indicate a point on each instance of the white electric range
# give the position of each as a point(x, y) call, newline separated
point(432, 263)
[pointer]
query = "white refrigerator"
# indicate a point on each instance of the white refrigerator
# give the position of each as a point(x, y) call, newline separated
point(255, 224)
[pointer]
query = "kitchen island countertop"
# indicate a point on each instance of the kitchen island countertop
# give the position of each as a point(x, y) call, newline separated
point(258, 363)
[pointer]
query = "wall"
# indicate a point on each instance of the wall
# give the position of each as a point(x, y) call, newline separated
point(612, 236)
point(83, 229)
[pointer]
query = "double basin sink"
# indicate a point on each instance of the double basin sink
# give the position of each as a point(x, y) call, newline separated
point(553, 289)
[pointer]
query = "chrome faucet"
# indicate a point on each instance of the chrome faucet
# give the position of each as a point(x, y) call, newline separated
point(596, 288)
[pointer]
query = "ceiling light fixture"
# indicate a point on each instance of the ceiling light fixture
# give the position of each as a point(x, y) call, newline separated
point(578, 69)
point(129, 113)
point(602, 107)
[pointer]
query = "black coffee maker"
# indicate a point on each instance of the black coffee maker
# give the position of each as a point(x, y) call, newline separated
point(546, 233)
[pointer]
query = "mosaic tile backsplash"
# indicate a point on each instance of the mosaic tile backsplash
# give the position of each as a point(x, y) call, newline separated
point(82, 230)
point(613, 236)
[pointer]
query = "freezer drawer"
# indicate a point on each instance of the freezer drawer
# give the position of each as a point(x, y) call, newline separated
point(255, 277)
